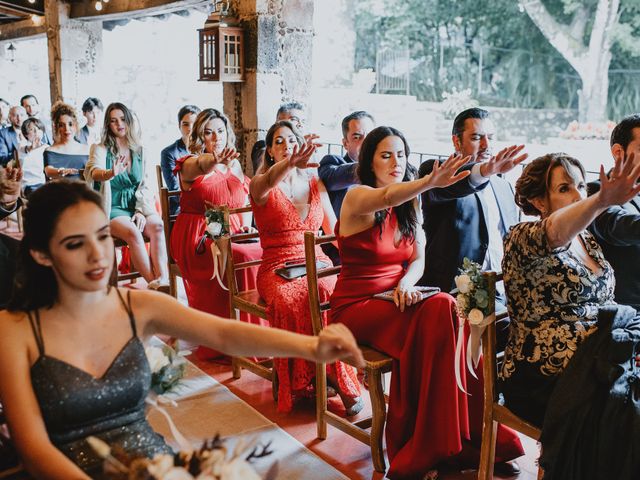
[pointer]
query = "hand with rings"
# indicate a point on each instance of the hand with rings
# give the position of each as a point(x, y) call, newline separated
point(405, 296)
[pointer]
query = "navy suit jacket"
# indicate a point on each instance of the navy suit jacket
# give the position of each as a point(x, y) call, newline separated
point(168, 158)
point(8, 144)
point(338, 174)
point(617, 230)
point(455, 225)
point(83, 135)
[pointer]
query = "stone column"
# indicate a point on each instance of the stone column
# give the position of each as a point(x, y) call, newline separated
point(278, 50)
point(75, 49)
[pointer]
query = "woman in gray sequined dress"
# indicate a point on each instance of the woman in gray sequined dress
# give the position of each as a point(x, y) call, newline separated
point(72, 361)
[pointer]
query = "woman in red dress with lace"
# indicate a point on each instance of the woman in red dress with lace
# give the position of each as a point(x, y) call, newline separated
point(289, 200)
point(382, 248)
point(211, 174)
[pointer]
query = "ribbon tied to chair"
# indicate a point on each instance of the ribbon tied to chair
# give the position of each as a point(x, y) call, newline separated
point(474, 346)
point(219, 248)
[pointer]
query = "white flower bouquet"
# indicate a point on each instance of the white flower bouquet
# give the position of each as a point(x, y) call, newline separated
point(167, 367)
point(476, 306)
point(216, 225)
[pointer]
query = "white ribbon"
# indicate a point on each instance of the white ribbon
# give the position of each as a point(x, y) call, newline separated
point(183, 444)
point(474, 347)
point(219, 254)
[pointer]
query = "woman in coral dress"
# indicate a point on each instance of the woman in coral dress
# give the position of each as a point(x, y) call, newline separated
point(289, 200)
point(382, 248)
point(211, 175)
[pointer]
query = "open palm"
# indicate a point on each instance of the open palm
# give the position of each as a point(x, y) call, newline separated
point(444, 174)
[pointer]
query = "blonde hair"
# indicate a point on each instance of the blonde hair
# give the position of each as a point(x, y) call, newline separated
point(133, 129)
point(57, 111)
point(196, 139)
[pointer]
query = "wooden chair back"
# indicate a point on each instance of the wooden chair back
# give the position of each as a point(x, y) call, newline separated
point(377, 363)
point(159, 177)
point(168, 221)
point(494, 412)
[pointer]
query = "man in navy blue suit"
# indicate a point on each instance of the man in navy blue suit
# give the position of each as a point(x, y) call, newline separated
point(338, 173)
point(178, 149)
point(469, 218)
point(32, 106)
point(11, 137)
point(617, 229)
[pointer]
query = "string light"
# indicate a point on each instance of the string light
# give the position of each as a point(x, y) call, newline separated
point(32, 1)
point(98, 5)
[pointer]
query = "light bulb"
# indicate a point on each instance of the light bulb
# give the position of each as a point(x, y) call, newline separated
point(32, 1)
point(98, 5)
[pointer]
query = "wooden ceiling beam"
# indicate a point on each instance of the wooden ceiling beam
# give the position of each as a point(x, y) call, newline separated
point(12, 12)
point(20, 30)
point(127, 9)
point(18, 11)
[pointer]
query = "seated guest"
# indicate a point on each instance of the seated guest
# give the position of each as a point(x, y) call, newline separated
point(33, 109)
point(92, 109)
point(338, 173)
point(211, 175)
point(555, 275)
point(72, 358)
point(11, 137)
point(382, 248)
point(10, 180)
point(617, 230)
point(31, 155)
point(288, 200)
point(4, 113)
point(118, 166)
point(66, 157)
point(292, 112)
point(178, 149)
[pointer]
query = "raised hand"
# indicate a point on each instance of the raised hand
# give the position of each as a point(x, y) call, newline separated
point(301, 157)
point(119, 165)
point(226, 156)
point(10, 184)
point(444, 174)
point(504, 161)
point(336, 342)
point(622, 183)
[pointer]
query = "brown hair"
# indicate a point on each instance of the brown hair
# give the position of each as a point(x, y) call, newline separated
point(536, 177)
point(57, 111)
point(133, 129)
point(268, 161)
point(196, 139)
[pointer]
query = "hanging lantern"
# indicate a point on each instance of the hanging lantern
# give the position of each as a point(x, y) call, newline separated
point(221, 50)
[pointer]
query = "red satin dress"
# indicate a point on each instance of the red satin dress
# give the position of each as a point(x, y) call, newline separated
point(203, 293)
point(428, 418)
point(282, 237)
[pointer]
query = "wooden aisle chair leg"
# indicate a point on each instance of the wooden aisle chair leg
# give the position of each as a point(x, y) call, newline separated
point(321, 399)
point(379, 416)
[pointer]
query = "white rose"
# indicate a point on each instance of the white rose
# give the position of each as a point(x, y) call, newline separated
point(463, 282)
point(214, 229)
point(461, 300)
point(475, 317)
point(238, 469)
point(157, 359)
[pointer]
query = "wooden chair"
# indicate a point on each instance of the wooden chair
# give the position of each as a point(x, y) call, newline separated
point(247, 301)
point(168, 221)
point(377, 363)
point(494, 412)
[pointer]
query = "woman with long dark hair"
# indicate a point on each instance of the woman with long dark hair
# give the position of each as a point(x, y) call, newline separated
point(72, 361)
point(381, 246)
point(117, 165)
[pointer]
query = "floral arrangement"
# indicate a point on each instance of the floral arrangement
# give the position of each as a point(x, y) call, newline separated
point(216, 225)
point(456, 101)
point(212, 461)
point(588, 131)
point(167, 367)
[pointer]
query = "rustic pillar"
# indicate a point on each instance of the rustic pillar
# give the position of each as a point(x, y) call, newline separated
point(75, 48)
point(278, 49)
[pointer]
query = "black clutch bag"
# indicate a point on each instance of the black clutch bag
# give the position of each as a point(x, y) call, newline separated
point(296, 270)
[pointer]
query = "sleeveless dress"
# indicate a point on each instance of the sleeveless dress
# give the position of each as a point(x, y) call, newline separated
point(124, 186)
point(428, 416)
point(65, 160)
point(282, 237)
point(196, 264)
point(75, 404)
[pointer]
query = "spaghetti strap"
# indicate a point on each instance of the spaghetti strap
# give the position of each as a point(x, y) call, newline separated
point(127, 307)
point(37, 331)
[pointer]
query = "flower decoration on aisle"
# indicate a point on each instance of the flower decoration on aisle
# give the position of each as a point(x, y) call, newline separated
point(476, 306)
point(167, 367)
point(212, 461)
point(588, 131)
point(217, 229)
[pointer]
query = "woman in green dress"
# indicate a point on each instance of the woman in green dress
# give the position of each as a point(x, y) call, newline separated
point(117, 165)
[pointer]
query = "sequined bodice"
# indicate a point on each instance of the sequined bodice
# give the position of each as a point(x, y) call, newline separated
point(75, 404)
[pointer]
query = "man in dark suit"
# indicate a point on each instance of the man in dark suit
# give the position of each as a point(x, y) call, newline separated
point(469, 218)
point(617, 229)
point(178, 149)
point(10, 180)
point(30, 103)
point(92, 109)
point(338, 173)
point(11, 137)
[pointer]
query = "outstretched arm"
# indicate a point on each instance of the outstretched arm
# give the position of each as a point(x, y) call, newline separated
point(204, 163)
point(617, 226)
point(335, 174)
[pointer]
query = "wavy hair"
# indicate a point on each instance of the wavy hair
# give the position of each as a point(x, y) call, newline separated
point(269, 161)
point(406, 212)
point(35, 285)
point(133, 129)
point(57, 111)
point(196, 139)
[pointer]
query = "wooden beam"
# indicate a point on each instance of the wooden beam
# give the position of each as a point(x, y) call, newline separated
point(21, 29)
point(127, 9)
point(12, 12)
point(18, 10)
point(52, 15)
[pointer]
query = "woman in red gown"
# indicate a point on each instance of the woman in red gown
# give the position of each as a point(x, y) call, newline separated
point(382, 248)
point(211, 174)
point(289, 200)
